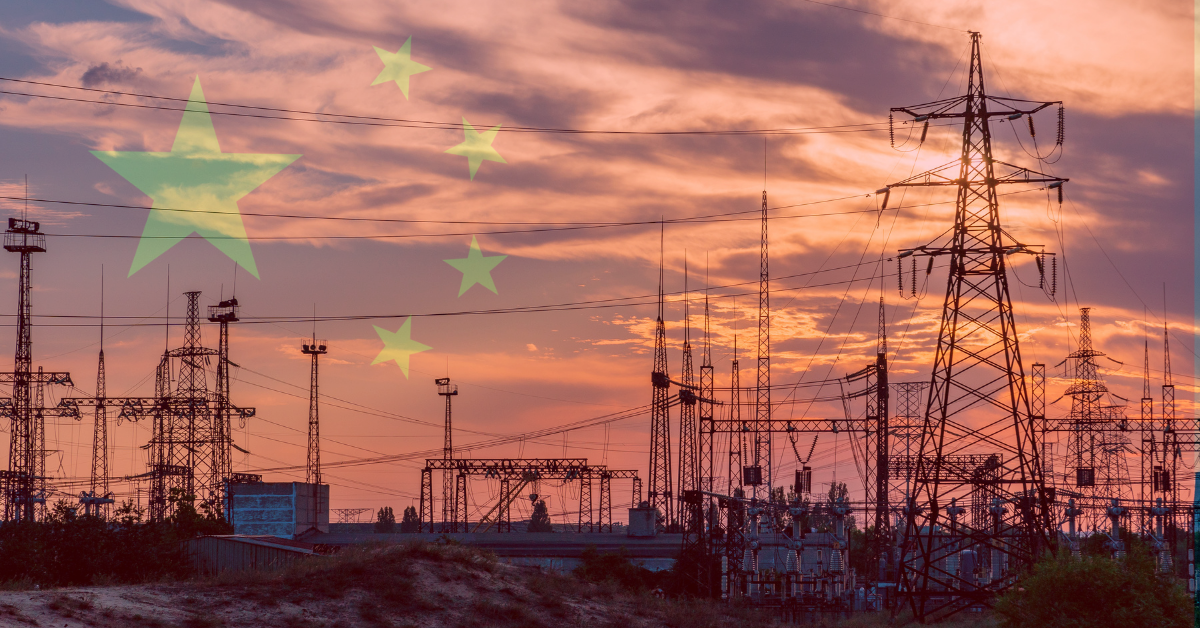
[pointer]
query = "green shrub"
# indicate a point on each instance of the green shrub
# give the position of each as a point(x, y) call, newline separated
point(1095, 591)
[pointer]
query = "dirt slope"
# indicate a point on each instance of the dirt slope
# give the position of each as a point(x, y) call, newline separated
point(394, 586)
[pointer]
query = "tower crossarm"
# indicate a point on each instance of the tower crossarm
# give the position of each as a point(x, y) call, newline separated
point(725, 426)
point(63, 379)
point(1187, 441)
point(132, 408)
point(189, 352)
point(958, 107)
point(950, 175)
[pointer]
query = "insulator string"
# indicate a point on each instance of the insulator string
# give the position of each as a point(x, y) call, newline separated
point(1053, 276)
point(1061, 128)
point(914, 276)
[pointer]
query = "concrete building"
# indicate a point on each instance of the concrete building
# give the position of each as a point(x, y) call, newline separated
point(282, 509)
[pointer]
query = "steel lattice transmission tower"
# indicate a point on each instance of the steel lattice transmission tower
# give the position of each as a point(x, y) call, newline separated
point(191, 448)
point(762, 401)
point(877, 444)
point(688, 463)
point(189, 444)
point(978, 378)
point(1094, 451)
point(1168, 474)
point(313, 470)
point(97, 499)
point(706, 416)
point(660, 495)
point(221, 429)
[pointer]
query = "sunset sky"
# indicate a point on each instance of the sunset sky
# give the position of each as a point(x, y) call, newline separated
point(1123, 70)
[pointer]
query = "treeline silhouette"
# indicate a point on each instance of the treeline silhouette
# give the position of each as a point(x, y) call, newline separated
point(73, 549)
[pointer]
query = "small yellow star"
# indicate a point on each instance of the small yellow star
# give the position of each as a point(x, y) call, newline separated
point(398, 346)
point(477, 147)
point(398, 66)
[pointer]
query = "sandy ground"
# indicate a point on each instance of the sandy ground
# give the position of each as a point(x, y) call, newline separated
point(451, 587)
point(504, 596)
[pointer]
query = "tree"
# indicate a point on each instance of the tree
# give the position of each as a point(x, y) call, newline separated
point(1095, 591)
point(540, 521)
point(411, 523)
point(385, 522)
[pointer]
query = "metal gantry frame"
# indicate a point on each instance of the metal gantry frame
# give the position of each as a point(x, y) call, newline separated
point(514, 474)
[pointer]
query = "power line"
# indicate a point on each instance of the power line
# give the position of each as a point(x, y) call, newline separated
point(586, 223)
point(352, 119)
point(889, 17)
point(571, 306)
point(567, 226)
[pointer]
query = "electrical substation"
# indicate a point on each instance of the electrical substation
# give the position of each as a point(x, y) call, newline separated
point(967, 478)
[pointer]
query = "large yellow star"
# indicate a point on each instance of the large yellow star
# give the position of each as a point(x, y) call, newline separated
point(398, 66)
point(477, 147)
point(197, 186)
point(398, 346)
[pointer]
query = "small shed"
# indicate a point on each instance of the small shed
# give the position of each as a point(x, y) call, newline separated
point(212, 555)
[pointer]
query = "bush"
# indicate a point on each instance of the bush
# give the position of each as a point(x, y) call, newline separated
point(1095, 591)
point(617, 568)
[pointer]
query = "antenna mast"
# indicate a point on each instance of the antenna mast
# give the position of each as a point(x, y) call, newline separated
point(316, 348)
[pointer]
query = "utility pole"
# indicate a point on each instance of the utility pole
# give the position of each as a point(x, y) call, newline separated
point(977, 371)
point(312, 475)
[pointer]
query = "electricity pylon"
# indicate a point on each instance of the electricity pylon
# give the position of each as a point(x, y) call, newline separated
point(977, 398)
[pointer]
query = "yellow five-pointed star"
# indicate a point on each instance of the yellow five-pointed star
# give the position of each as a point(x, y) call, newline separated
point(398, 346)
point(477, 147)
point(476, 268)
point(398, 66)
